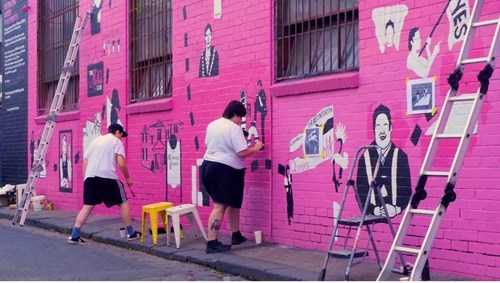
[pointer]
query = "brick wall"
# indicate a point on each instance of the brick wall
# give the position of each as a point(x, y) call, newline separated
point(243, 39)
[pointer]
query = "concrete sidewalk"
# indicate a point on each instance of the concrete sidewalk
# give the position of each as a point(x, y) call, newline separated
point(256, 262)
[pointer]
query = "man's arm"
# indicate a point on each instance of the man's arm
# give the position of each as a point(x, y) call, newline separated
point(124, 168)
point(251, 150)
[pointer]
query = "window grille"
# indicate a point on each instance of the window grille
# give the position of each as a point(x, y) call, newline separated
point(150, 49)
point(315, 37)
point(56, 20)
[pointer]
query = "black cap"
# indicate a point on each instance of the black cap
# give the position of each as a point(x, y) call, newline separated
point(117, 127)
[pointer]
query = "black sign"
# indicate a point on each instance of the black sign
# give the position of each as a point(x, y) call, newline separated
point(95, 79)
point(14, 110)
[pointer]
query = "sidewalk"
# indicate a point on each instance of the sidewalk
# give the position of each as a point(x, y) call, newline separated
point(257, 262)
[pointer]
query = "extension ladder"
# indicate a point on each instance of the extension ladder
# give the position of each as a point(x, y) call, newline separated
point(364, 220)
point(421, 266)
point(50, 122)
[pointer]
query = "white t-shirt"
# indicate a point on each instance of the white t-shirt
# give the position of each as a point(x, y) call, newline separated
point(101, 157)
point(224, 139)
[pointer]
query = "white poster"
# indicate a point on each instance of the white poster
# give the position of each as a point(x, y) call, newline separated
point(174, 163)
point(420, 96)
point(458, 13)
point(217, 9)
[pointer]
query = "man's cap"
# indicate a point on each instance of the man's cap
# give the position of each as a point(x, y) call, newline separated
point(117, 127)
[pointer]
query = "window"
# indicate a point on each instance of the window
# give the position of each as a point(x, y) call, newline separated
point(56, 20)
point(150, 49)
point(315, 37)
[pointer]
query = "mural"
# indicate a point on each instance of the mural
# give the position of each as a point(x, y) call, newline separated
point(209, 60)
point(287, 182)
point(260, 107)
point(95, 18)
point(95, 79)
point(394, 173)
point(415, 62)
point(65, 161)
point(161, 152)
point(458, 12)
point(251, 132)
point(91, 131)
point(34, 151)
point(317, 143)
point(111, 107)
point(388, 25)
point(421, 95)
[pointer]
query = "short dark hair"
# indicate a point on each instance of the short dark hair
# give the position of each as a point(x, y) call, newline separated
point(413, 31)
point(234, 108)
point(381, 109)
point(208, 27)
point(117, 127)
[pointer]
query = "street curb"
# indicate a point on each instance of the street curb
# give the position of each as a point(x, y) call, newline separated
point(229, 263)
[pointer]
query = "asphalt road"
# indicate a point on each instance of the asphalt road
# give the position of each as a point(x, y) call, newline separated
point(28, 253)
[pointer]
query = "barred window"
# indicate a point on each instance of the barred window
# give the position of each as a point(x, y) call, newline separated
point(150, 49)
point(315, 37)
point(56, 20)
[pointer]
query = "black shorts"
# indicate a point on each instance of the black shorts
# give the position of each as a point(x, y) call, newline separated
point(98, 190)
point(223, 183)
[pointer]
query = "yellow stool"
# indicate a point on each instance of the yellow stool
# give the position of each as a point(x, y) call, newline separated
point(153, 210)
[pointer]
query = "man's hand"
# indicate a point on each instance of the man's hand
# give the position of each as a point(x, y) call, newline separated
point(129, 182)
point(258, 145)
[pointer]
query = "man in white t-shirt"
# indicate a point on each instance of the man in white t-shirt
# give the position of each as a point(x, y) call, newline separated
point(223, 173)
point(102, 184)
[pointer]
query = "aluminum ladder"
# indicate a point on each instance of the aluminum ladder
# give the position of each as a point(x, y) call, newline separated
point(421, 267)
point(364, 220)
point(62, 86)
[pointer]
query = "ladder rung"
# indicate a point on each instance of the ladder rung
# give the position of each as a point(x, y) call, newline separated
point(436, 173)
point(448, 136)
point(368, 220)
point(422, 211)
point(407, 250)
point(463, 97)
point(475, 60)
point(484, 23)
point(346, 253)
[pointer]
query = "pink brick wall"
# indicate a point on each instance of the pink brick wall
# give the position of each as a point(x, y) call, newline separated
point(243, 39)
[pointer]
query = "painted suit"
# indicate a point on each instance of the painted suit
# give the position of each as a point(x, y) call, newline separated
point(393, 177)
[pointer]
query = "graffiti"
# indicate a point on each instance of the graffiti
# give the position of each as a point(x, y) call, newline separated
point(388, 25)
point(95, 79)
point(209, 60)
point(394, 173)
point(65, 161)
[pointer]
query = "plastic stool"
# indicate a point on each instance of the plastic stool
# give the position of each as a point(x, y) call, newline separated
point(174, 214)
point(153, 210)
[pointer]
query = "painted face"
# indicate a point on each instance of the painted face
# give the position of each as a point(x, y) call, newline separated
point(64, 145)
point(389, 36)
point(382, 131)
point(208, 38)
